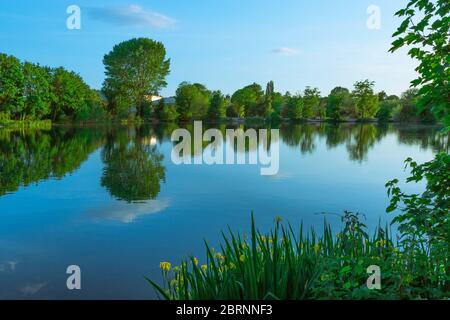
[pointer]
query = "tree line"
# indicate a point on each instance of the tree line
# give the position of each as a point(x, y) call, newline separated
point(195, 101)
point(135, 71)
point(31, 92)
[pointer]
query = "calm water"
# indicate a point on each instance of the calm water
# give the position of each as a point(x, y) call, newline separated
point(110, 200)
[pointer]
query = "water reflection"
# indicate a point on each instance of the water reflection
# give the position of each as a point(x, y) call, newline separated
point(122, 212)
point(133, 169)
point(133, 166)
point(28, 157)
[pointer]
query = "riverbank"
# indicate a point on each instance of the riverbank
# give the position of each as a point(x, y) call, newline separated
point(48, 124)
point(284, 264)
point(25, 124)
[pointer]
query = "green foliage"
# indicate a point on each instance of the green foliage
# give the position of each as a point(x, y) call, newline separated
point(366, 101)
point(408, 110)
point(30, 156)
point(424, 223)
point(337, 99)
point(425, 31)
point(37, 91)
point(166, 112)
point(268, 110)
point(133, 170)
point(294, 108)
point(311, 102)
point(261, 267)
point(278, 100)
point(30, 92)
point(247, 101)
point(11, 85)
point(192, 101)
point(135, 69)
point(218, 107)
point(388, 107)
point(70, 95)
point(288, 265)
point(382, 95)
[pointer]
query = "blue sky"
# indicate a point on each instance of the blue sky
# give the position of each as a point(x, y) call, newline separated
point(222, 44)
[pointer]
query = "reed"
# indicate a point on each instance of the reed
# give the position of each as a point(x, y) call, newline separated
point(290, 265)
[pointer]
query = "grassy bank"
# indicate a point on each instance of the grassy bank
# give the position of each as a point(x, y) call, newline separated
point(284, 264)
point(26, 124)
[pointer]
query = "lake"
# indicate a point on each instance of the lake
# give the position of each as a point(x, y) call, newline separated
point(110, 200)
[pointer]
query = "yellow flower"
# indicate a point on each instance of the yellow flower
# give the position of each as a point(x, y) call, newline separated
point(165, 266)
point(219, 256)
point(195, 261)
point(262, 238)
point(232, 266)
point(316, 247)
point(380, 243)
point(323, 277)
point(204, 267)
point(242, 258)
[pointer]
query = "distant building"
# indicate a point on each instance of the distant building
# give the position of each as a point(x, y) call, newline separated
point(167, 101)
point(153, 98)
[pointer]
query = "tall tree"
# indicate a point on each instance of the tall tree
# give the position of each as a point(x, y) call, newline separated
point(70, 94)
point(366, 101)
point(311, 102)
point(388, 107)
point(11, 85)
point(37, 91)
point(293, 108)
point(408, 110)
point(135, 69)
point(336, 101)
point(246, 100)
point(382, 95)
point(426, 31)
point(268, 100)
point(218, 107)
point(192, 101)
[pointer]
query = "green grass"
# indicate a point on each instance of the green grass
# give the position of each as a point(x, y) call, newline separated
point(26, 124)
point(289, 265)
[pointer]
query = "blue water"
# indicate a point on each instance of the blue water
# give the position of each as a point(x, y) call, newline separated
point(111, 201)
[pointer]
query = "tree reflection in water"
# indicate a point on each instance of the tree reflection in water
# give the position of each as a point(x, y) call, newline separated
point(133, 169)
point(133, 166)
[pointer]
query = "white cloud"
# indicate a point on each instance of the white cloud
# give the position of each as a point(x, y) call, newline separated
point(8, 265)
point(285, 51)
point(32, 289)
point(127, 213)
point(132, 15)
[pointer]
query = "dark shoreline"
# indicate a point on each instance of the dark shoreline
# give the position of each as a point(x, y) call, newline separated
point(42, 124)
